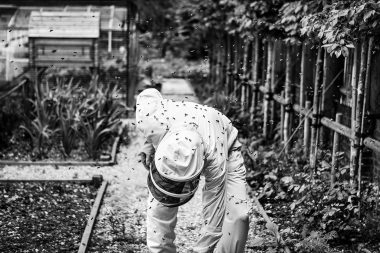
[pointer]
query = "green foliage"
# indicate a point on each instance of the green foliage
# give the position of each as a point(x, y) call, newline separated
point(335, 24)
point(338, 209)
point(76, 113)
point(341, 24)
point(100, 115)
point(42, 125)
point(322, 215)
point(291, 15)
point(68, 125)
point(316, 242)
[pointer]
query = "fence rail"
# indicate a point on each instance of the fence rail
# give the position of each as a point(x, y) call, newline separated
point(299, 83)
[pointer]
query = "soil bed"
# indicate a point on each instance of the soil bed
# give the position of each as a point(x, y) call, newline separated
point(43, 217)
point(22, 151)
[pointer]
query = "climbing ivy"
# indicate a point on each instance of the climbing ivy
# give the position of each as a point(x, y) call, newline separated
point(339, 25)
point(336, 25)
point(290, 16)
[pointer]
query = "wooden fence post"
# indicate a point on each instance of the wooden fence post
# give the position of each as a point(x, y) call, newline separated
point(229, 65)
point(354, 86)
point(244, 80)
point(268, 88)
point(316, 116)
point(336, 144)
point(255, 77)
point(303, 75)
point(287, 92)
point(282, 111)
point(332, 70)
point(224, 62)
point(236, 66)
point(306, 129)
point(364, 109)
point(217, 62)
point(357, 129)
point(248, 77)
point(275, 79)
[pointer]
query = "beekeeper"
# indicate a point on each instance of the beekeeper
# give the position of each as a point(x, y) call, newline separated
point(188, 140)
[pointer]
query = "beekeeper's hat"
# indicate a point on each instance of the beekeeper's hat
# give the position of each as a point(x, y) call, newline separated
point(178, 163)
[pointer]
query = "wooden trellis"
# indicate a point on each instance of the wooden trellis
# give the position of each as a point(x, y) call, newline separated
point(302, 80)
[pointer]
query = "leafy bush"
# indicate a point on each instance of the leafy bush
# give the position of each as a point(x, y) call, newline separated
point(316, 243)
point(91, 113)
point(42, 127)
point(68, 126)
point(316, 210)
point(100, 117)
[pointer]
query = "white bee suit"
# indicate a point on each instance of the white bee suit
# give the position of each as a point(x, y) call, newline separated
point(224, 196)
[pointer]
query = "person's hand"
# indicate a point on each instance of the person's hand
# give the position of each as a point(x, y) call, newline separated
point(146, 159)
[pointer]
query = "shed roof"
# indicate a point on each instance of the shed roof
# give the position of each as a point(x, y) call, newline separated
point(111, 17)
point(64, 24)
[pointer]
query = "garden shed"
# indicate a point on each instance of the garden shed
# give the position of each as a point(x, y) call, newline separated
point(64, 39)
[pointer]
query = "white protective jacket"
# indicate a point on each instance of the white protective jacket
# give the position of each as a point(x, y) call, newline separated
point(156, 115)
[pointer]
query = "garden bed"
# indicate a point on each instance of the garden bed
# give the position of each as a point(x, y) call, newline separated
point(21, 154)
point(43, 216)
point(23, 151)
point(311, 216)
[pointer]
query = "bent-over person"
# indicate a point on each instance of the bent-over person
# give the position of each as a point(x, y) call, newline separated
point(185, 140)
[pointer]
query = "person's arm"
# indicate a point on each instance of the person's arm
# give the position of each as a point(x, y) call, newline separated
point(147, 154)
point(213, 200)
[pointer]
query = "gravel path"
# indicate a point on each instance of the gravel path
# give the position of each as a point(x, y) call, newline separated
point(121, 222)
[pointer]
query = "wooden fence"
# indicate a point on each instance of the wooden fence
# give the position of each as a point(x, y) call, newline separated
point(302, 86)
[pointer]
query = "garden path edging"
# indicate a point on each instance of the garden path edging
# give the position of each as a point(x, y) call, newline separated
point(91, 220)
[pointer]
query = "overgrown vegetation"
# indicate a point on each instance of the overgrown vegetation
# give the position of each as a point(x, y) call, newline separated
point(65, 116)
point(318, 217)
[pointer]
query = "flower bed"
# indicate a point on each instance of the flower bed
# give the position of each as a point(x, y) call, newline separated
point(62, 121)
point(45, 217)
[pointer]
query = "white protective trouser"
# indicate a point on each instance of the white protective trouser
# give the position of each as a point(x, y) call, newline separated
point(161, 220)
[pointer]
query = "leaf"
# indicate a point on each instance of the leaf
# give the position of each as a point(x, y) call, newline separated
point(257, 242)
point(325, 165)
point(287, 180)
point(368, 15)
point(345, 51)
point(303, 187)
point(273, 228)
